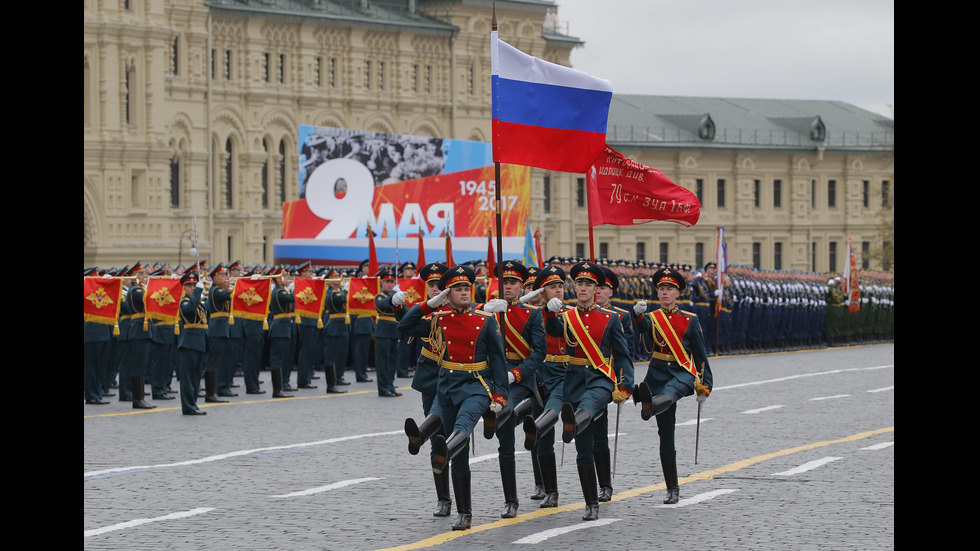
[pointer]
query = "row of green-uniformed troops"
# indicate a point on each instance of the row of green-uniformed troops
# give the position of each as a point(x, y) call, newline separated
point(529, 359)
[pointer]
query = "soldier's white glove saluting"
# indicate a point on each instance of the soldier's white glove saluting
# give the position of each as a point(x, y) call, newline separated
point(640, 308)
point(531, 296)
point(495, 305)
point(554, 304)
point(398, 298)
point(717, 292)
point(437, 300)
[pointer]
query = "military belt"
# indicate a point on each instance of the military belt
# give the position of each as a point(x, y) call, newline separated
point(514, 356)
point(219, 314)
point(431, 355)
point(664, 357)
point(453, 366)
point(195, 326)
point(335, 316)
point(556, 358)
point(282, 316)
point(387, 318)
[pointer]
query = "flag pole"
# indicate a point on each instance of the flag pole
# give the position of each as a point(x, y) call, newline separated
point(498, 183)
point(588, 209)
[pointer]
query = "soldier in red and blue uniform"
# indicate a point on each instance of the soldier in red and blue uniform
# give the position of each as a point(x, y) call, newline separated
point(600, 369)
point(425, 380)
point(679, 367)
point(600, 426)
point(192, 344)
point(472, 374)
point(524, 341)
point(539, 438)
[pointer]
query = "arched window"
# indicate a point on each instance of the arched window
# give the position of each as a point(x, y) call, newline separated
point(282, 172)
point(265, 174)
point(228, 175)
point(175, 181)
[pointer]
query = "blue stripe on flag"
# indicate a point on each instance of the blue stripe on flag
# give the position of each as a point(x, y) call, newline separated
point(550, 106)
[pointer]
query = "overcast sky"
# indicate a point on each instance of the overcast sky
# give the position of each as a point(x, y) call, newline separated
point(840, 50)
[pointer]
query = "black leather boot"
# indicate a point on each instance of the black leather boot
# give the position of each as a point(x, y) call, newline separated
point(535, 428)
point(521, 411)
point(489, 423)
point(573, 421)
point(444, 505)
point(586, 475)
point(443, 451)
point(603, 475)
point(461, 487)
point(538, 484)
point(508, 478)
point(211, 388)
point(650, 405)
point(331, 374)
point(277, 391)
point(418, 435)
point(549, 475)
point(139, 394)
point(668, 460)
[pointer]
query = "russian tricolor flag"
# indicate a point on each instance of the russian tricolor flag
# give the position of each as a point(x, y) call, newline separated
point(545, 115)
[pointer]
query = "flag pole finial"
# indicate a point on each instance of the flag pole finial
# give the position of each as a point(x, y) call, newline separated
point(493, 19)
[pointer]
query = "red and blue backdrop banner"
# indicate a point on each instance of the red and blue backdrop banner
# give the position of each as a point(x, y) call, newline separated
point(545, 115)
point(408, 189)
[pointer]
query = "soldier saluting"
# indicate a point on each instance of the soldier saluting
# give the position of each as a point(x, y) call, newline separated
point(472, 374)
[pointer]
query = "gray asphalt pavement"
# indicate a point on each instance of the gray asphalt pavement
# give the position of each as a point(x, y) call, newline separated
point(796, 452)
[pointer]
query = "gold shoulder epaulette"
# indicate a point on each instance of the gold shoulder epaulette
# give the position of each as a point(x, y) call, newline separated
point(482, 313)
point(686, 313)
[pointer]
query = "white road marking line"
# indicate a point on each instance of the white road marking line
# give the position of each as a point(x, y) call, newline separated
point(698, 498)
point(807, 466)
point(882, 389)
point(759, 410)
point(137, 522)
point(692, 422)
point(801, 376)
point(328, 487)
point(830, 397)
point(96, 474)
point(880, 446)
point(541, 536)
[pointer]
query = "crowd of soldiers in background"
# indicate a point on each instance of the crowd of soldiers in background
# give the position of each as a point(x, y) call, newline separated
point(761, 310)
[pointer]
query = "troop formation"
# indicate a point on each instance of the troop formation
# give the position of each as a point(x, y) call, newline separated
point(537, 348)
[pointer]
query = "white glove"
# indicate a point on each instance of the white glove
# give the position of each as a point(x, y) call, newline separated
point(495, 407)
point(495, 305)
point(531, 295)
point(398, 298)
point(200, 284)
point(717, 292)
point(255, 277)
point(174, 275)
point(640, 307)
point(437, 300)
point(702, 398)
point(106, 276)
point(510, 378)
point(554, 304)
point(291, 286)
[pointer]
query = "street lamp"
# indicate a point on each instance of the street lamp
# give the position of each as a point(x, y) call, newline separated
point(180, 246)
